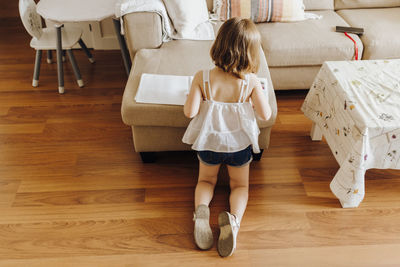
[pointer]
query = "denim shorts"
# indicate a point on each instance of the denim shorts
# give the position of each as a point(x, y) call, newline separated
point(234, 159)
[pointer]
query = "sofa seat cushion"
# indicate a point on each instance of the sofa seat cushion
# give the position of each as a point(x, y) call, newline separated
point(318, 4)
point(306, 43)
point(346, 4)
point(381, 36)
point(178, 57)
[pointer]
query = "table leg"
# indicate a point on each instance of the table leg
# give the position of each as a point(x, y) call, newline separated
point(86, 50)
point(348, 183)
point(36, 70)
point(123, 47)
point(348, 186)
point(75, 67)
point(60, 70)
point(316, 133)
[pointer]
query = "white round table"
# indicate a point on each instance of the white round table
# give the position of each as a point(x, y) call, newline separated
point(76, 10)
point(63, 11)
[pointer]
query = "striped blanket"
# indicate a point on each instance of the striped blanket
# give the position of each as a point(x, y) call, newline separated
point(260, 10)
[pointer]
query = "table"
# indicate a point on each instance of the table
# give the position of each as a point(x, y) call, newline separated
point(61, 11)
point(356, 106)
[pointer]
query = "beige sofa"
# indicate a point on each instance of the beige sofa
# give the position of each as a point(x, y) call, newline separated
point(294, 52)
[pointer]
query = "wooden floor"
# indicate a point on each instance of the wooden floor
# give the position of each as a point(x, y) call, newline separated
point(74, 193)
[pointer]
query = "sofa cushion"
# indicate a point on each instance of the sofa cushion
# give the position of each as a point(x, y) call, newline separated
point(145, 31)
point(345, 4)
point(318, 4)
point(381, 36)
point(305, 43)
point(186, 15)
point(178, 57)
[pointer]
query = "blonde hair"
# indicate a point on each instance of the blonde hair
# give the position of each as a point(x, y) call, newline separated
point(236, 49)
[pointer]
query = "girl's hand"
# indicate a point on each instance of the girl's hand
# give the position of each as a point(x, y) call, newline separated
point(259, 97)
point(192, 104)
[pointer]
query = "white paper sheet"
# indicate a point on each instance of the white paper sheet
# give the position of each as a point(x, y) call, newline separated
point(163, 89)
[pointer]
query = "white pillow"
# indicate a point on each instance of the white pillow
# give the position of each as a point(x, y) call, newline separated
point(186, 15)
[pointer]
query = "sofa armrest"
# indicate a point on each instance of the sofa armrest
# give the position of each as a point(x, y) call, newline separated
point(142, 30)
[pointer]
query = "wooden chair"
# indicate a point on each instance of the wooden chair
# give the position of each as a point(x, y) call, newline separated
point(46, 39)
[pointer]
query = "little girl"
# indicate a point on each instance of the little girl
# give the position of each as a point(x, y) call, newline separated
point(224, 127)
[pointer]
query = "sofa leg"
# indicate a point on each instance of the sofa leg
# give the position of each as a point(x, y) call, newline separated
point(148, 157)
point(257, 157)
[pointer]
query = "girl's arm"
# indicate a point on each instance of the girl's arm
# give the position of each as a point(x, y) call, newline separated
point(192, 104)
point(260, 100)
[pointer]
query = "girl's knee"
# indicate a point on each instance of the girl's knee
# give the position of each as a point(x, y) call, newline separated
point(235, 184)
point(241, 181)
point(207, 179)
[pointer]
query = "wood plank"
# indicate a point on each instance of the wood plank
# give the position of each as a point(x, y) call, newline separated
point(37, 159)
point(8, 189)
point(366, 255)
point(294, 120)
point(15, 215)
point(79, 197)
point(26, 128)
point(193, 258)
point(76, 182)
point(4, 110)
point(44, 240)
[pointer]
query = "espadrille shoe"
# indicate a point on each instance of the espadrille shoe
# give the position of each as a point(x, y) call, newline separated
point(229, 228)
point(203, 236)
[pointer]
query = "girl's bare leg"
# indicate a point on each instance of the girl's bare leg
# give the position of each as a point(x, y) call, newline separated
point(239, 183)
point(229, 223)
point(206, 183)
point(203, 236)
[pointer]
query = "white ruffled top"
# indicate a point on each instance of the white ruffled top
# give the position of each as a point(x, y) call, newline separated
point(221, 126)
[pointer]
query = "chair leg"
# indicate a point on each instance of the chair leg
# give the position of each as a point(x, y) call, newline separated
point(63, 56)
point(49, 57)
point(87, 52)
point(123, 47)
point(60, 70)
point(75, 67)
point(36, 70)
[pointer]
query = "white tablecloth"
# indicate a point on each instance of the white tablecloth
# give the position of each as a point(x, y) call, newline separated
point(356, 104)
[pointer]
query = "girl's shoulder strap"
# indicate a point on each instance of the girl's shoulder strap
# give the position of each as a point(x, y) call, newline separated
point(244, 90)
point(206, 75)
point(206, 84)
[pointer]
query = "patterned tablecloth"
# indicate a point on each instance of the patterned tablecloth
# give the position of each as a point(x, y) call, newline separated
point(356, 105)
